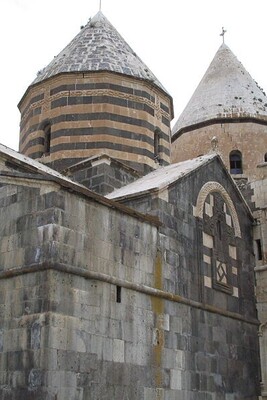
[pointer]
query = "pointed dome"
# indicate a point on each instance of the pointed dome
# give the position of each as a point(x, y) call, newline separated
point(227, 90)
point(98, 47)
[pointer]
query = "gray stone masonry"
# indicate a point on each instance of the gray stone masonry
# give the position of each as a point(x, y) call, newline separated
point(98, 304)
point(103, 177)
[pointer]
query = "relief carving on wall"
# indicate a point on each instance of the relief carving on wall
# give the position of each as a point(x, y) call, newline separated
point(220, 227)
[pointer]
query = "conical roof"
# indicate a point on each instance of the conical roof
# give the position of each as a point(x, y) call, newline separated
point(226, 90)
point(98, 47)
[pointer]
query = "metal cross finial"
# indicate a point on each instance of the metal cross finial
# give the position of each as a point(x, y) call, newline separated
point(100, 5)
point(223, 33)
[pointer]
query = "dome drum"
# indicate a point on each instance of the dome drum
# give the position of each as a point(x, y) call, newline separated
point(93, 113)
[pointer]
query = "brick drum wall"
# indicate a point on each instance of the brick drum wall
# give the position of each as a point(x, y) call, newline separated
point(95, 112)
point(249, 138)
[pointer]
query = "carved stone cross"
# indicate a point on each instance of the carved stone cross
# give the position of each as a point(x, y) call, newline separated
point(223, 33)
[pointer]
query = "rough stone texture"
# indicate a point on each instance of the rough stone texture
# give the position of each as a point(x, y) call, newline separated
point(231, 136)
point(67, 334)
point(98, 47)
point(261, 277)
point(102, 174)
point(175, 209)
point(98, 301)
point(260, 245)
point(96, 96)
point(229, 106)
point(226, 90)
point(96, 113)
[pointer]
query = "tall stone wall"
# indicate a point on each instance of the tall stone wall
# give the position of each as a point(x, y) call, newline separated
point(99, 304)
point(260, 245)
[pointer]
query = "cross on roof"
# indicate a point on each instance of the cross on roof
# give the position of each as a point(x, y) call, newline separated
point(223, 33)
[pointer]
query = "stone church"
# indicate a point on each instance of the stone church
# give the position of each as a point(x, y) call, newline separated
point(133, 256)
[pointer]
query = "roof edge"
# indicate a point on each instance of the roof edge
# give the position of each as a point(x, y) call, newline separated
point(161, 188)
point(88, 161)
point(214, 156)
point(71, 186)
point(262, 120)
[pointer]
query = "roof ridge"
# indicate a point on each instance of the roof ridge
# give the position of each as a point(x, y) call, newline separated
point(161, 177)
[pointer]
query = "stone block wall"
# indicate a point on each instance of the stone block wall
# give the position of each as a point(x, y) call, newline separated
point(102, 175)
point(247, 137)
point(259, 188)
point(261, 278)
point(187, 273)
point(94, 307)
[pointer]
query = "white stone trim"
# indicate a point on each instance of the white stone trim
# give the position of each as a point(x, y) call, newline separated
point(207, 281)
point(207, 240)
point(211, 187)
point(235, 291)
point(232, 252)
point(206, 259)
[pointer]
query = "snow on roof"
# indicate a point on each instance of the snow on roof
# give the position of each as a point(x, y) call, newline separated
point(160, 178)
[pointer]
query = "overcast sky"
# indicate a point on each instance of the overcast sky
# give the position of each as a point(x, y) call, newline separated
point(177, 40)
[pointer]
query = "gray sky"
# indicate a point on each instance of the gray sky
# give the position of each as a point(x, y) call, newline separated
point(176, 39)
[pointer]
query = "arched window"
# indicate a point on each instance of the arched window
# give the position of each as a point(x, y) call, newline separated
point(265, 157)
point(235, 159)
point(156, 145)
point(47, 137)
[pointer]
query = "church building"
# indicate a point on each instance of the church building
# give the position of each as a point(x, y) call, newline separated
point(133, 256)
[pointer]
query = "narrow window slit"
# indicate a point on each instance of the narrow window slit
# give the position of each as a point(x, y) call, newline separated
point(118, 294)
point(156, 145)
point(259, 249)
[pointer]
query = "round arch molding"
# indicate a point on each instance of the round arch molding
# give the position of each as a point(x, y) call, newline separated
point(211, 187)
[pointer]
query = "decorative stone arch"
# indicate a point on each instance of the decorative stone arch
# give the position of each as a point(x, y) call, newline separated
point(211, 187)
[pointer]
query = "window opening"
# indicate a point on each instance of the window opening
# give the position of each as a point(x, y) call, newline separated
point(265, 157)
point(235, 159)
point(47, 138)
point(156, 145)
point(259, 249)
point(118, 294)
point(219, 229)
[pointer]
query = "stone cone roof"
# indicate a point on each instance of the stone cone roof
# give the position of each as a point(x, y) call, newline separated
point(226, 91)
point(98, 47)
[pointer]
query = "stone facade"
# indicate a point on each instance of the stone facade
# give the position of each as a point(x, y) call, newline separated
point(146, 293)
point(241, 129)
point(260, 247)
point(93, 113)
point(102, 174)
point(100, 301)
point(231, 135)
point(97, 96)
